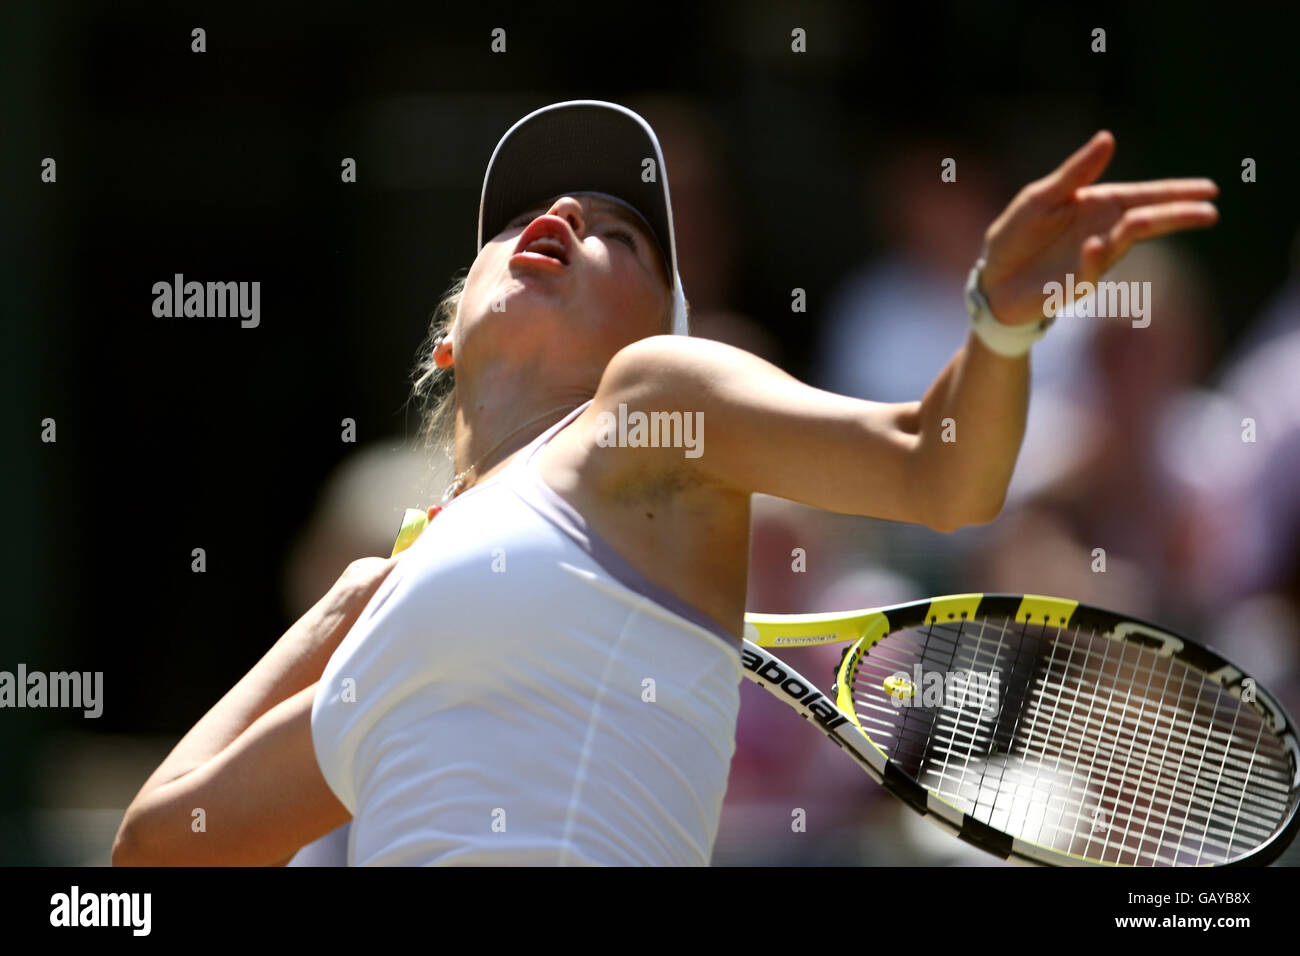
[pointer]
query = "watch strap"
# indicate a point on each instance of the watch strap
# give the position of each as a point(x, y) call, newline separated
point(1011, 341)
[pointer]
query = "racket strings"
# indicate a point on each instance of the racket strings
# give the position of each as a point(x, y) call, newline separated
point(1065, 737)
point(1188, 787)
point(1135, 747)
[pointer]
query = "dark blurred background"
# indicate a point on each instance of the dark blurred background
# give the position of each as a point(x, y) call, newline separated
point(817, 171)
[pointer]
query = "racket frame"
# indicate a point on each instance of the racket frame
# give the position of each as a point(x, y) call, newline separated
point(835, 716)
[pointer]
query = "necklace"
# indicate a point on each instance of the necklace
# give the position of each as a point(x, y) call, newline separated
point(461, 480)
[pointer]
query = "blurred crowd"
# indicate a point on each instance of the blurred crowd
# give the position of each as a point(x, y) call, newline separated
point(1158, 477)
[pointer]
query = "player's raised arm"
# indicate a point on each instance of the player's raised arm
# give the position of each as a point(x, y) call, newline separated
point(946, 460)
point(764, 431)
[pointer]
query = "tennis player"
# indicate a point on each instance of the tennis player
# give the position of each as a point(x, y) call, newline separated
point(550, 675)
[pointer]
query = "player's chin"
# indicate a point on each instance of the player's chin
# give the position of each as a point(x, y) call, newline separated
point(527, 301)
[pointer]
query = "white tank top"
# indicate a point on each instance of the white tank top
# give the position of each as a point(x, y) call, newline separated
point(516, 693)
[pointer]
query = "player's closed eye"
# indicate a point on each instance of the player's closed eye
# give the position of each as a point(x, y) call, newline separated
point(626, 236)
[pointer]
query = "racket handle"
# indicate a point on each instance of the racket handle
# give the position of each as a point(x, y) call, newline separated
point(413, 524)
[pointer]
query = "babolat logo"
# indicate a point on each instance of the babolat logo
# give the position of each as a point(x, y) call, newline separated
point(771, 671)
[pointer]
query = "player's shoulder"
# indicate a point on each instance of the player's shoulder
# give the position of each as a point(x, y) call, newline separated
point(649, 412)
point(670, 367)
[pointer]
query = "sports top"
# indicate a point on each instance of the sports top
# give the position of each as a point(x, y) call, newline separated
point(516, 693)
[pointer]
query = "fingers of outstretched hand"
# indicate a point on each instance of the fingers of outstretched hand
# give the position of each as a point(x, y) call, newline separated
point(1087, 163)
point(1154, 192)
point(1102, 252)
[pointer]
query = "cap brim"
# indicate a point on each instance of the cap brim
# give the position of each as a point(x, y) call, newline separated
point(578, 146)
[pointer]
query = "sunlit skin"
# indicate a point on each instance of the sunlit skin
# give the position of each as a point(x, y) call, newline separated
point(591, 332)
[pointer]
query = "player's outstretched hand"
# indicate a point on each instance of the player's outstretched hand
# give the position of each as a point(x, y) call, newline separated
point(1069, 223)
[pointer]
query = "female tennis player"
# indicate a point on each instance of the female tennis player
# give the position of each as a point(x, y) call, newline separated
point(550, 675)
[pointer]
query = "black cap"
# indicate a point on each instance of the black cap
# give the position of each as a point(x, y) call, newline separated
point(582, 146)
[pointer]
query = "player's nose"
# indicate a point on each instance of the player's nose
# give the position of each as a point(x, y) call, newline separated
point(570, 210)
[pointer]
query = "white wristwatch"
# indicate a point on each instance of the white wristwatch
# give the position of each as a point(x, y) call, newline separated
point(1011, 341)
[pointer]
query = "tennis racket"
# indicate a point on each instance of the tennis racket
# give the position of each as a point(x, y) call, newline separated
point(1049, 732)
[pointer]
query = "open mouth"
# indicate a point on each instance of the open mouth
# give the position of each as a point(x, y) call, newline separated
point(547, 246)
point(546, 238)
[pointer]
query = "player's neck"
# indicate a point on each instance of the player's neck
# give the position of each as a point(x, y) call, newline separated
point(501, 415)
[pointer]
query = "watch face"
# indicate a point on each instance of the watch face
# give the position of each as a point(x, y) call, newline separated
point(972, 293)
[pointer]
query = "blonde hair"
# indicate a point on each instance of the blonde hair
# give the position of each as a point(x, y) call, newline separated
point(434, 389)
